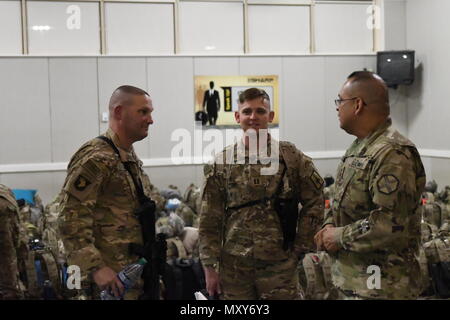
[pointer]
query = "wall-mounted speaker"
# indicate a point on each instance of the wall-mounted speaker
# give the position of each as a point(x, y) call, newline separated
point(396, 67)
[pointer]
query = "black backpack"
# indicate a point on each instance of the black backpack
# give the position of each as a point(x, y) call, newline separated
point(182, 278)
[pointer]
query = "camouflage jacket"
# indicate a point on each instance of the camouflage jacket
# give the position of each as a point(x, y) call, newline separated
point(9, 245)
point(255, 231)
point(376, 207)
point(97, 220)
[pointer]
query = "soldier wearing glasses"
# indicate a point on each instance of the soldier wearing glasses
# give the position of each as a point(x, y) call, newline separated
point(373, 227)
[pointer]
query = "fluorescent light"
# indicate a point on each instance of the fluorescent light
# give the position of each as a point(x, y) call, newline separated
point(40, 28)
point(210, 48)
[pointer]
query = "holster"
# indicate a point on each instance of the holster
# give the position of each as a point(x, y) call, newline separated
point(287, 210)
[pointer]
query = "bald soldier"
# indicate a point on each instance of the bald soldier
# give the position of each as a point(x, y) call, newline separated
point(373, 228)
point(251, 233)
point(9, 245)
point(97, 220)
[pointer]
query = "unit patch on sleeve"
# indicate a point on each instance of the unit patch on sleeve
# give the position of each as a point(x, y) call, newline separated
point(316, 180)
point(388, 184)
point(81, 183)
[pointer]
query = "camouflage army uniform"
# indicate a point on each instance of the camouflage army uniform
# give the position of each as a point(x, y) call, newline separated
point(252, 262)
point(97, 220)
point(376, 209)
point(9, 246)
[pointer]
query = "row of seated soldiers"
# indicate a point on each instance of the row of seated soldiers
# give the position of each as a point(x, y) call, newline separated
point(178, 220)
point(40, 251)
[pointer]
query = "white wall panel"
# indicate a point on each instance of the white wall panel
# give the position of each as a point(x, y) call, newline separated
point(395, 25)
point(162, 177)
point(47, 184)
point(328, 166)
point(24, 111)
point(10, 28)
point(279, 29)
point(343, 28)
point(212, 66)
point(63, 28)
point(304, 102)
point(439, 171)
point(74, 104)
point(211, 27)
point(428, 111)
point(171, 85)
point(115, 72)
point(399, 109)
point(139, 28)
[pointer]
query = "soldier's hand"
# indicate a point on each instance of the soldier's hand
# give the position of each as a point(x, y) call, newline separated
point(212, 281)
point(329, 240)
point(318, 238)
point(106, 278)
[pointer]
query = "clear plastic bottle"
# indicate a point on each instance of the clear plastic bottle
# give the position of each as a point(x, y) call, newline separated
point(128, 276)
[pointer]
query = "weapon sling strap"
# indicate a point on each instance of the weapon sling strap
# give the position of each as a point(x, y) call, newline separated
point(137, 182)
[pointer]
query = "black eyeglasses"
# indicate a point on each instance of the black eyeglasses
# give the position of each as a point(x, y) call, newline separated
point(338, 102)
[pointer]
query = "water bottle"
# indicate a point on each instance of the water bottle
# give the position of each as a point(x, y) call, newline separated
point(128, 276)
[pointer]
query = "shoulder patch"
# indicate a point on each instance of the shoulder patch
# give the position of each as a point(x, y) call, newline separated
point(316, 179)
point(388, 184)
point(81, 183)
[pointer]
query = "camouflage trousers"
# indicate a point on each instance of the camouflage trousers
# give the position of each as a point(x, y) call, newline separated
point(346, 295)
point(252, 279)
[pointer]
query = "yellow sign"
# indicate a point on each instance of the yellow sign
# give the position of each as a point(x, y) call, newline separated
point(217, 97)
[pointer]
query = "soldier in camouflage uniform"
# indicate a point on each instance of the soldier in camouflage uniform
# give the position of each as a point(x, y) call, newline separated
point(375, 217)
point(97, 220)
point(9, 246)
point(241, 242)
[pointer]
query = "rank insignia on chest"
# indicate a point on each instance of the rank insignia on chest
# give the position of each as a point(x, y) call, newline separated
point(388, 184)
point(81, 183)
point(256, 181)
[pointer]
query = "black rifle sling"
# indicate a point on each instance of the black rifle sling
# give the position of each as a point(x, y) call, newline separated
point(137, 183)
point(150, 250)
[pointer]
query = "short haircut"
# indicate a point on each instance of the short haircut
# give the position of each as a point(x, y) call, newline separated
point(253, 93)
point(372, 87)
point(132, 90)
point(363, 75)
point(123, 95)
